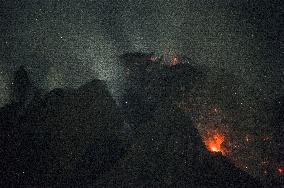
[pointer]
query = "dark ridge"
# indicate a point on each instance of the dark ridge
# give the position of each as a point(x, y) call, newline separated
point(78, 137)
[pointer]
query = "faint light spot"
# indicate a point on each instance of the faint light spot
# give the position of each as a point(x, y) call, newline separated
point(280, 170)
point(247, 138)
point(267, 138)
point(265, 172)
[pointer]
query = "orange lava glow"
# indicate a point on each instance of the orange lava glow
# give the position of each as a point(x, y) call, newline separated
point(174, 60)
point(213, 143)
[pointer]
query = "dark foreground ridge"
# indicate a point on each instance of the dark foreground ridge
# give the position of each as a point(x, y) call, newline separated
point(77, 137)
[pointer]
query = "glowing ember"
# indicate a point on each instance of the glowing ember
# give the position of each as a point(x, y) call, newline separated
point(174, 60)
point(214, 143)
point(280, 170)
point(247, 138)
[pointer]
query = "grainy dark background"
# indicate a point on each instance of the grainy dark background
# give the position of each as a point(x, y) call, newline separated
point(67, 43)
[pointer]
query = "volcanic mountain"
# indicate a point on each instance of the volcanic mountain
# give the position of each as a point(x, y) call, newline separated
point(77, 137)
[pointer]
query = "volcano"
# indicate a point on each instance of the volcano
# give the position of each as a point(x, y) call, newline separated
point(77, 137)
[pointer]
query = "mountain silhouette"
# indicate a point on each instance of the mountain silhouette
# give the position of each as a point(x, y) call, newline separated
point(77, 137)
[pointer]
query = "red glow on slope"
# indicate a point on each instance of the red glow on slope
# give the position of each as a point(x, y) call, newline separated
point(174, 60)
point(280, 170)
point(213, 143)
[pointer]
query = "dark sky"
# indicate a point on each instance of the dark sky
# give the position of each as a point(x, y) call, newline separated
point(66, 43)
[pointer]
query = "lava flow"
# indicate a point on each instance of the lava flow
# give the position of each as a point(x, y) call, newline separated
point(214, 142)
point(174, 60)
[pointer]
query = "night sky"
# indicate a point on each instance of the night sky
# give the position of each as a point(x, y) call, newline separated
point(240, 43)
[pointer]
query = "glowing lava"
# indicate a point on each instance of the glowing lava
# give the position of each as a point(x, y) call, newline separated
point(280, 170)
point(214, 142)
point(174, 59)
